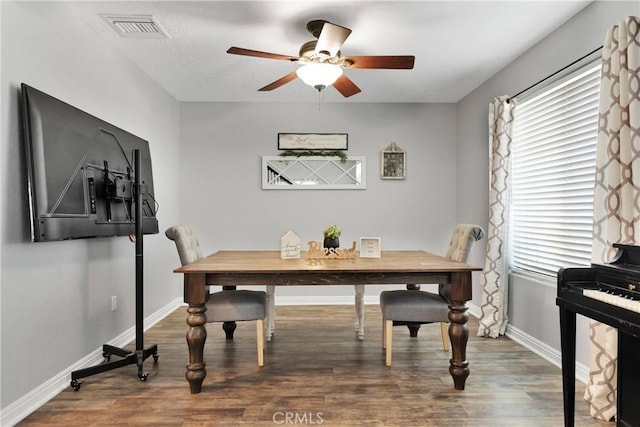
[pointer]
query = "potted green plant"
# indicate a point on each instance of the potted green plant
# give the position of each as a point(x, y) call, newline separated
point(331, 235)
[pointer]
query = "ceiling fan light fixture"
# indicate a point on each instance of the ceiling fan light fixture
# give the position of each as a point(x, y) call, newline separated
point(319, 75)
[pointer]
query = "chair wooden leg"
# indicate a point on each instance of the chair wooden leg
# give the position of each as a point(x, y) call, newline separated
point(271, 311)
point(388, 328)
point(359, 302)
point(445, 335)
point(260, 341)
point(384, 333)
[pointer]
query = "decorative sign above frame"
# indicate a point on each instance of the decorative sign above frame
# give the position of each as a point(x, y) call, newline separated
point(393, 163)
point(313, 141)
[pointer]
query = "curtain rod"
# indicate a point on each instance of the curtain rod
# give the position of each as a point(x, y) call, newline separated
point(553, 74)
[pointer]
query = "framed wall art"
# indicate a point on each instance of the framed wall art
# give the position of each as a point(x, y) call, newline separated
point(313, 141)
point(314, 173)
point(393, 163)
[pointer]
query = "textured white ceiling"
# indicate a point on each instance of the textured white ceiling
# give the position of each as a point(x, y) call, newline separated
point(457, 44)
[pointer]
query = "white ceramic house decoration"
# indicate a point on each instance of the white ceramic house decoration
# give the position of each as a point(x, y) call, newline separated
point(289, 245)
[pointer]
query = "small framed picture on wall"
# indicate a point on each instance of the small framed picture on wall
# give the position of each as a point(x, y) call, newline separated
point(393, 163)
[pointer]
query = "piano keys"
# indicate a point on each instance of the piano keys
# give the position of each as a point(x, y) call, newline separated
point(613, 297)
point(608, 293)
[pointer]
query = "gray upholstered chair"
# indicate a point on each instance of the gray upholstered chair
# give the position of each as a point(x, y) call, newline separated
point(226, 305)
point(415, 306)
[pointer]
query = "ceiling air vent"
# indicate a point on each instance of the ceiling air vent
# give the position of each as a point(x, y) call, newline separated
point(137, 26)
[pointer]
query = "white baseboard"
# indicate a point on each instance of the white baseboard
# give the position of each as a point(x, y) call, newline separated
point(474, 311)
point(21, 408)
point(545, 351)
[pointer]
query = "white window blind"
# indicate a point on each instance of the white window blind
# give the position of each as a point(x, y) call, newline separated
point(553, 175)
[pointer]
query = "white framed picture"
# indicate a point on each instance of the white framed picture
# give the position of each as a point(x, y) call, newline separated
point(370, 247)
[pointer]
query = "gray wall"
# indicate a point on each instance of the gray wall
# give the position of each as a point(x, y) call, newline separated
point(532, 306)
point(55, 296)
point(220, 163)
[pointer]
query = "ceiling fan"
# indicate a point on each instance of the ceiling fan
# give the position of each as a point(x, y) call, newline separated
point(322, 63)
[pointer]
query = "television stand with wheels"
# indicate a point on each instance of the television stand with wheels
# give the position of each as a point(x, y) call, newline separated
point(140, 354)
point(129, 358)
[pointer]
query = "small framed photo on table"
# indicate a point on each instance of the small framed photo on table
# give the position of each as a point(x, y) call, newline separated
point(370, 247)
point(393, 163)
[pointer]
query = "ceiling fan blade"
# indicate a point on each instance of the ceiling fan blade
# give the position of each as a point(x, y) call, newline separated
point(395, 62)
point(331, 38)
point(345, 86)
point(280, 82)
point(248, 52)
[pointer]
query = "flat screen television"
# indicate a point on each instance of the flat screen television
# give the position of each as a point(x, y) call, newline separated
point(80, 173)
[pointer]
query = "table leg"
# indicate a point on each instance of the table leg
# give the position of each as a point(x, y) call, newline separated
point(196, 337)
point(458, 330)
point(459, 335)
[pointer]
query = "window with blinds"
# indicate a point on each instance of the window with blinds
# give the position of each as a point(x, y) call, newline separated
point(552, 175)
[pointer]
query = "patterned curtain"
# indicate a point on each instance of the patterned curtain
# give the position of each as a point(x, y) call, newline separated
point(493, 321)
point(616, 211)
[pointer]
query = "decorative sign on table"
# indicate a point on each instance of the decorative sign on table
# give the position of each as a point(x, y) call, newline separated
point(289, 246)
point(370, 247)
point(313, 141)
point(316, 251)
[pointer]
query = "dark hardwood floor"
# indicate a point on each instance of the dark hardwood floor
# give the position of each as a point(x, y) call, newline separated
point(317, 372)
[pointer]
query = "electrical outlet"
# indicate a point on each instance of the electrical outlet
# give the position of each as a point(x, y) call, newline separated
point(114, 303)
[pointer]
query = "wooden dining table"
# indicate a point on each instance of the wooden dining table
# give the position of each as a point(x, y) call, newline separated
point(256, 268)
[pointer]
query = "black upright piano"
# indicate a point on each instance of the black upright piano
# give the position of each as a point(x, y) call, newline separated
point(608, 293)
